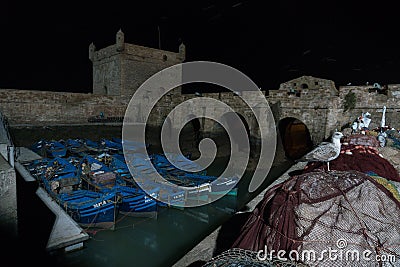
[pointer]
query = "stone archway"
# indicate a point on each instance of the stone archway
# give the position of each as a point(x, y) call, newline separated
point(295, 137)
point(228, 118)
point(190, 134)
point(168, 127)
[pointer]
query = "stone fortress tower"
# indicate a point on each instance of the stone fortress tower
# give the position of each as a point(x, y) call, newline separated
point(121, 68)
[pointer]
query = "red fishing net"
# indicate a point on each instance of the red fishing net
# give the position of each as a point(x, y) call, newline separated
point(361, 154)
point(352, 210)
point(310, 214)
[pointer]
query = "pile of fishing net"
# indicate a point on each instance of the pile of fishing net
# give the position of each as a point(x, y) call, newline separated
point(394, 136)
point(361, 139)
point(359, 152)
point(319, 218)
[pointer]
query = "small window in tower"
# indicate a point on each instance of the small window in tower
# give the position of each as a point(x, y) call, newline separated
point(316, 83)
point(294, 84)
point(304, 86)
point(164, 57)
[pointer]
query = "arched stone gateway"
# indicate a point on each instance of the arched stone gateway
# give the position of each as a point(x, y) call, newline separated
point(191, 132)
point(168, 126)
point(295, 136)
point(229, 118)
point(314, 101)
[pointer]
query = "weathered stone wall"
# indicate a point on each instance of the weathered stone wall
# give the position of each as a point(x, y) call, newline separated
point(107, 71)
point(322, 112)
point(323, 86)
point(210, 127)
point(174, 98)
point(311, 100)
point(8, 198)
point(140, 63)
point(47, 108)
point(321, 109)
point(320, 106)
point(124, 67)
point(370, 100)
point(121, 68)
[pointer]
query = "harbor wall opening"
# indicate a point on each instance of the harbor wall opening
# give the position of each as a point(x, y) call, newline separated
point(295, 137)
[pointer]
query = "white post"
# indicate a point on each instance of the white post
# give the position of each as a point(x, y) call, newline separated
point(11, 155)
point(383, 120)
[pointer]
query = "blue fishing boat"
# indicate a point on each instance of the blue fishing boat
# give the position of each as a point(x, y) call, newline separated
point(111, 146)
point(133, 201)
point(181, 162)
point(219, 185)
point(93, 146)
point(96, 175)
point(170, 196)
point(62, 175)
point(129, 145)
point(197, 189)
point(37, 167)
point(89, 208)
point(49, 149)
point(39, 147)
point(207, 185)
point(150, 191)
point(55, 149)
point(74, 146)
point(118, 165)
point(58, 172)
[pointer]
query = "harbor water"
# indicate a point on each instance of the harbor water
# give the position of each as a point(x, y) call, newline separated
point(160, 241)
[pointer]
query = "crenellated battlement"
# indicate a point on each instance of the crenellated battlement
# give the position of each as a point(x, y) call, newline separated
point(119, 69)
point(136, 52)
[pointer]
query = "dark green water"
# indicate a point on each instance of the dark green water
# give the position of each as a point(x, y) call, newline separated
point(150, 242)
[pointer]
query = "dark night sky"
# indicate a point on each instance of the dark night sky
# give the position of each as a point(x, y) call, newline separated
point(45, 46)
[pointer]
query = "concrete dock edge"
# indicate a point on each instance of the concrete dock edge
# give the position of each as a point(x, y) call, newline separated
point(66, 233)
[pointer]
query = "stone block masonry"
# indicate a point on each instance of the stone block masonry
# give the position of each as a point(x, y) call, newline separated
point(55, 108)
point(121, 68)
point(321, 111)
point(8, 199)
point(320, 105)
point(372, 100)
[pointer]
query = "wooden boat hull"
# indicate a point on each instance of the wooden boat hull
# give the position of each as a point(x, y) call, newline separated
point(137, 203)
point(90, 209)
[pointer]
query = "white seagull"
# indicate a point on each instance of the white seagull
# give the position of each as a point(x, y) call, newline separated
point(326, 151)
